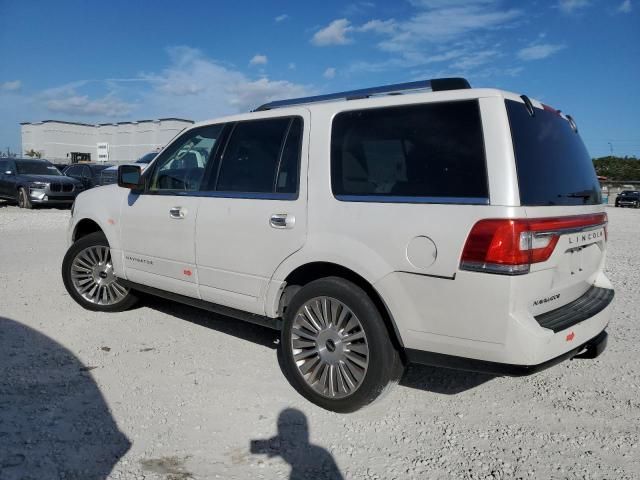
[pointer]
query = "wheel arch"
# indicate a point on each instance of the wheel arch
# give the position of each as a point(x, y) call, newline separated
point(85, 227)
point(308, 272)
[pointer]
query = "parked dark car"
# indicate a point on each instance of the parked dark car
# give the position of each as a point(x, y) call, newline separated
point(628, 198)
point(36, 182)
point(87, 173)
point(110, 175)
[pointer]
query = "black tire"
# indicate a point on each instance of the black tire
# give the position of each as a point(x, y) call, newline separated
point(91, 240)
point(385, 365)
point(23, 198)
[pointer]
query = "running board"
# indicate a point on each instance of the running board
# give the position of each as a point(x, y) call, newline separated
point(273, 323)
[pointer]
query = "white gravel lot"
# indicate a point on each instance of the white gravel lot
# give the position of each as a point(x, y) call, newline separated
point(170, 392)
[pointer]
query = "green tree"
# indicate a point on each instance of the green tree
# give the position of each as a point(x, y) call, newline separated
point(33, 154)
point(618, 168)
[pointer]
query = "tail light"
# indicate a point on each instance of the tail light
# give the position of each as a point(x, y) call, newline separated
point(510, 246)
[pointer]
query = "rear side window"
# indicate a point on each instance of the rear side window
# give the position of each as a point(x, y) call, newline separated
point(554, 167)
point(431, 152)
point(262, 156)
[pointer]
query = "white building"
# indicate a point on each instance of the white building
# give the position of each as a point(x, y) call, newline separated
point(61, 142)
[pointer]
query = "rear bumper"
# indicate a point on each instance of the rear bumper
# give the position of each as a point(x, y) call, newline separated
point(478, 320)
point(589, 349)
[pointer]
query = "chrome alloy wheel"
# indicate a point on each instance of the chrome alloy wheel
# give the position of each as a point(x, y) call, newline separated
point(329, 347)
point(93, 277)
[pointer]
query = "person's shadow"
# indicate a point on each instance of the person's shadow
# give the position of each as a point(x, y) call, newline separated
point(307, 461)
point(54, 422)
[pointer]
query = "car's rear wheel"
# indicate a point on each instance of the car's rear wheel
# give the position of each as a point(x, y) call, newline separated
point(336, 350)
point(87, 272)
point(23, 198)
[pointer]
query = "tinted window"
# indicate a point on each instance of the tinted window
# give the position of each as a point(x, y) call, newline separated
point(433, 150)
point(72, 171)
point(36, 168)
point(182, 165)
point(553, 165)
point(252, 156)
point(4, 166)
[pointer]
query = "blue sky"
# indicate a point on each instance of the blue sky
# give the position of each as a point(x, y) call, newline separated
point(121, 60)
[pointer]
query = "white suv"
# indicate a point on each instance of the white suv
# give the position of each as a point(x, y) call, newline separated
point(424, 222)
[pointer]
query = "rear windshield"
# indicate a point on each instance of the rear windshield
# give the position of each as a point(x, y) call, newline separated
point(554, 167)
point(418, 153)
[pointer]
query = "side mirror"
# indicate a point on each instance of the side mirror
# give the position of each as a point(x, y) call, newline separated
point(130, 176)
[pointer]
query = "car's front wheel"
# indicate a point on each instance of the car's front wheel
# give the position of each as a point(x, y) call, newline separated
point(87, 273)
point(23, 198)
point(336, 350)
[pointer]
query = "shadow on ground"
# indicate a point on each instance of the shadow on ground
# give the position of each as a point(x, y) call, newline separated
point(237, 328)
point(307, 461)
point(420, 377)
point(54, 422)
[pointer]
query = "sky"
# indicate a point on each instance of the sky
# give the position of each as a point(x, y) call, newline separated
point(122, 60)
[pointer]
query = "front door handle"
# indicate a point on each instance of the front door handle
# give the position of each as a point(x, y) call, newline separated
point(177, 212)
point(282, 220)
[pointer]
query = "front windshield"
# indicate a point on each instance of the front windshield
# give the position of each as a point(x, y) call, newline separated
point(36, 168)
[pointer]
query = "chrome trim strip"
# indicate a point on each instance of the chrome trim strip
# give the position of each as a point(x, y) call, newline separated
point(565, 231)
point(404, 199)
point(245, 195)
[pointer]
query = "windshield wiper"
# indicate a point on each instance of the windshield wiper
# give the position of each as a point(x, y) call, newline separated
point(584, 195)
point(581, 194)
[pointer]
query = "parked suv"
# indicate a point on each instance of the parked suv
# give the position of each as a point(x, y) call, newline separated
point(425, 222)
point(628, 198)
point(36, 182)
point(89, 174)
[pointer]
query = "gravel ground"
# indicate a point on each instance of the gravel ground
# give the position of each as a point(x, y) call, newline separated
point(169, 392)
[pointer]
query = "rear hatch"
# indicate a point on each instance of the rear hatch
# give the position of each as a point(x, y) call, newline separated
point(554, 251)
point(561, 194)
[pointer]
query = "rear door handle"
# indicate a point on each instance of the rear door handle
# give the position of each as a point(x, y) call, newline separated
point(177, 212)
point(282, 220)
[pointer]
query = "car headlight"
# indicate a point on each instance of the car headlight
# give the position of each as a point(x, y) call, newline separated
point(38, 185)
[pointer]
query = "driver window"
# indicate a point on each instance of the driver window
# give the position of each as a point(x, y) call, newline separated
point(182, 165)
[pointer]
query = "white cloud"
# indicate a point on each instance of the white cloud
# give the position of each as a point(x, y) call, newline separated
point(82, 105)
point(379, 26)
point(329, 73)
point(625, 7)
point(539, 51)
point(474, 60)
point(11, 86)
point(281, 18)
point(445, 24)
point(258, 60)
point(217, 89)
point(251, 94)
point(333, 34)
point(571, 6)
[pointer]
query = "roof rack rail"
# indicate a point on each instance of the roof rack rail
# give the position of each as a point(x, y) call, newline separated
point(434, 85)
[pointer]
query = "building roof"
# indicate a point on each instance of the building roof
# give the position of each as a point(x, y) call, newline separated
point(110, 123)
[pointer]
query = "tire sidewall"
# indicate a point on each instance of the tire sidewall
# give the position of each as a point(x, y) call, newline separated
point(23, 198)
point(383, 358)
point(93, 239)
